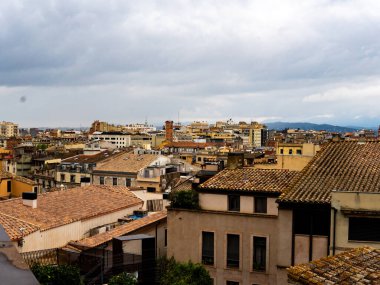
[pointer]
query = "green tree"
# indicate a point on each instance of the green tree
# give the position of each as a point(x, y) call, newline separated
point(123, 279)
point(184, 199)
point(188, 273)
point(57, 275)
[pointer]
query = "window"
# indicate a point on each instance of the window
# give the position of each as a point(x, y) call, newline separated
point(208, 248)
point(151, 189)
point(260, 204)
point(35, 189)
point(364, 229)
point(290, 151)
point(234, 203)
point(233, 251)
point(282, 151)
point(128, 182)
point(199, 158)
point(72, 178)
point(166, 238)
point(62, 177)
point(232, 283)
point(259, 253)
point(9, 186)
point(101, 180)
point(114, 181)
point(299, 151)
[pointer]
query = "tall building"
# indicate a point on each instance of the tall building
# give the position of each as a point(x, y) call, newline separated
point(8, 129)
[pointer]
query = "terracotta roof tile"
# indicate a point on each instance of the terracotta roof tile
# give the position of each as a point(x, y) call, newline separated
point(183, 184)
point(127, 162)
point(250, 179)
point(16, 228)
point(356, 266)
point(58, 208)
point(344, 166)
point(121, 230)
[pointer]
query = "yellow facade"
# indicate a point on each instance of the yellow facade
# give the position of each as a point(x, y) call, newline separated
point(17, 188)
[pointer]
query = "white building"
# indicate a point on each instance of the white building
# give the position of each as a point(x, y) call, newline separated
point(118, 139)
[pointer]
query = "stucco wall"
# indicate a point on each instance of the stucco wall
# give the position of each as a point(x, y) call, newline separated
point(184, 243)
point(357, 201)
point(219, 202)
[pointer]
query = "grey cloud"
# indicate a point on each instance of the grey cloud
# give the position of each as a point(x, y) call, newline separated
point(187, 53)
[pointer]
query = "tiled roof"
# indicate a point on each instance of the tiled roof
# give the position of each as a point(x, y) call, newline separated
point(121, 230)
point(356, 266)
point(16, 228)
point(183, 184)
point(250, 180)
point(5, 175)
point(94, 158)
point(343, 166)
point(127, 162)
point(58, 208)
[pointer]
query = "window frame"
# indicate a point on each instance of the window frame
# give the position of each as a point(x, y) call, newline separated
point(253, 252)
point(213, 249)
point(256, 199)
point(101, 180)
point(235, 208)
point(227, 264)
point(113, 181)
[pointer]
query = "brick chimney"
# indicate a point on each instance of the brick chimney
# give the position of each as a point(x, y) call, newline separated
point(235, 160)
point(29, 199)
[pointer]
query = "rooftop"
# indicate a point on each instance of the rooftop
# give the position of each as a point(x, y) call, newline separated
point(63, 207)
point(121, 230)
point(82, 158)
point(250, 180)
point(127, 162)
point(343, 166)
point(356, 266)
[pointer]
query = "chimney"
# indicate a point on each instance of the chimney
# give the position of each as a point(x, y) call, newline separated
point(235, 160)
point(29, 199)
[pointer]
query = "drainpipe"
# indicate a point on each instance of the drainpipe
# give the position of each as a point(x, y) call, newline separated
point(334, 231)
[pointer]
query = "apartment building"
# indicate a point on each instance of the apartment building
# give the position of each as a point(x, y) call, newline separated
point(132, 170)
point(119, 139)
point(332, 205)
point(8, 129)
point(234, 233)
point(71, 171)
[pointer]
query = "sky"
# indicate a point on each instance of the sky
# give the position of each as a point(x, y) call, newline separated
point(68, 63)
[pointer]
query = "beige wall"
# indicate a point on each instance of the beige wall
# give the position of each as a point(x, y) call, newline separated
point(353, 201)
point(218, 202)
point(60, 236)
point(284, 247)
point(184, 242)
point(291, 162)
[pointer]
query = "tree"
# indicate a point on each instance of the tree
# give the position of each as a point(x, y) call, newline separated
point(57, 275)
point(188, 273)
point(184, 199)
point(123, 279)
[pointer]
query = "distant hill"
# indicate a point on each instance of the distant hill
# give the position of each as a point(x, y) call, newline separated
point(310, 126)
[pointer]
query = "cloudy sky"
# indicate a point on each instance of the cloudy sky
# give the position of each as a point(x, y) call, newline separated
point(67, 63)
